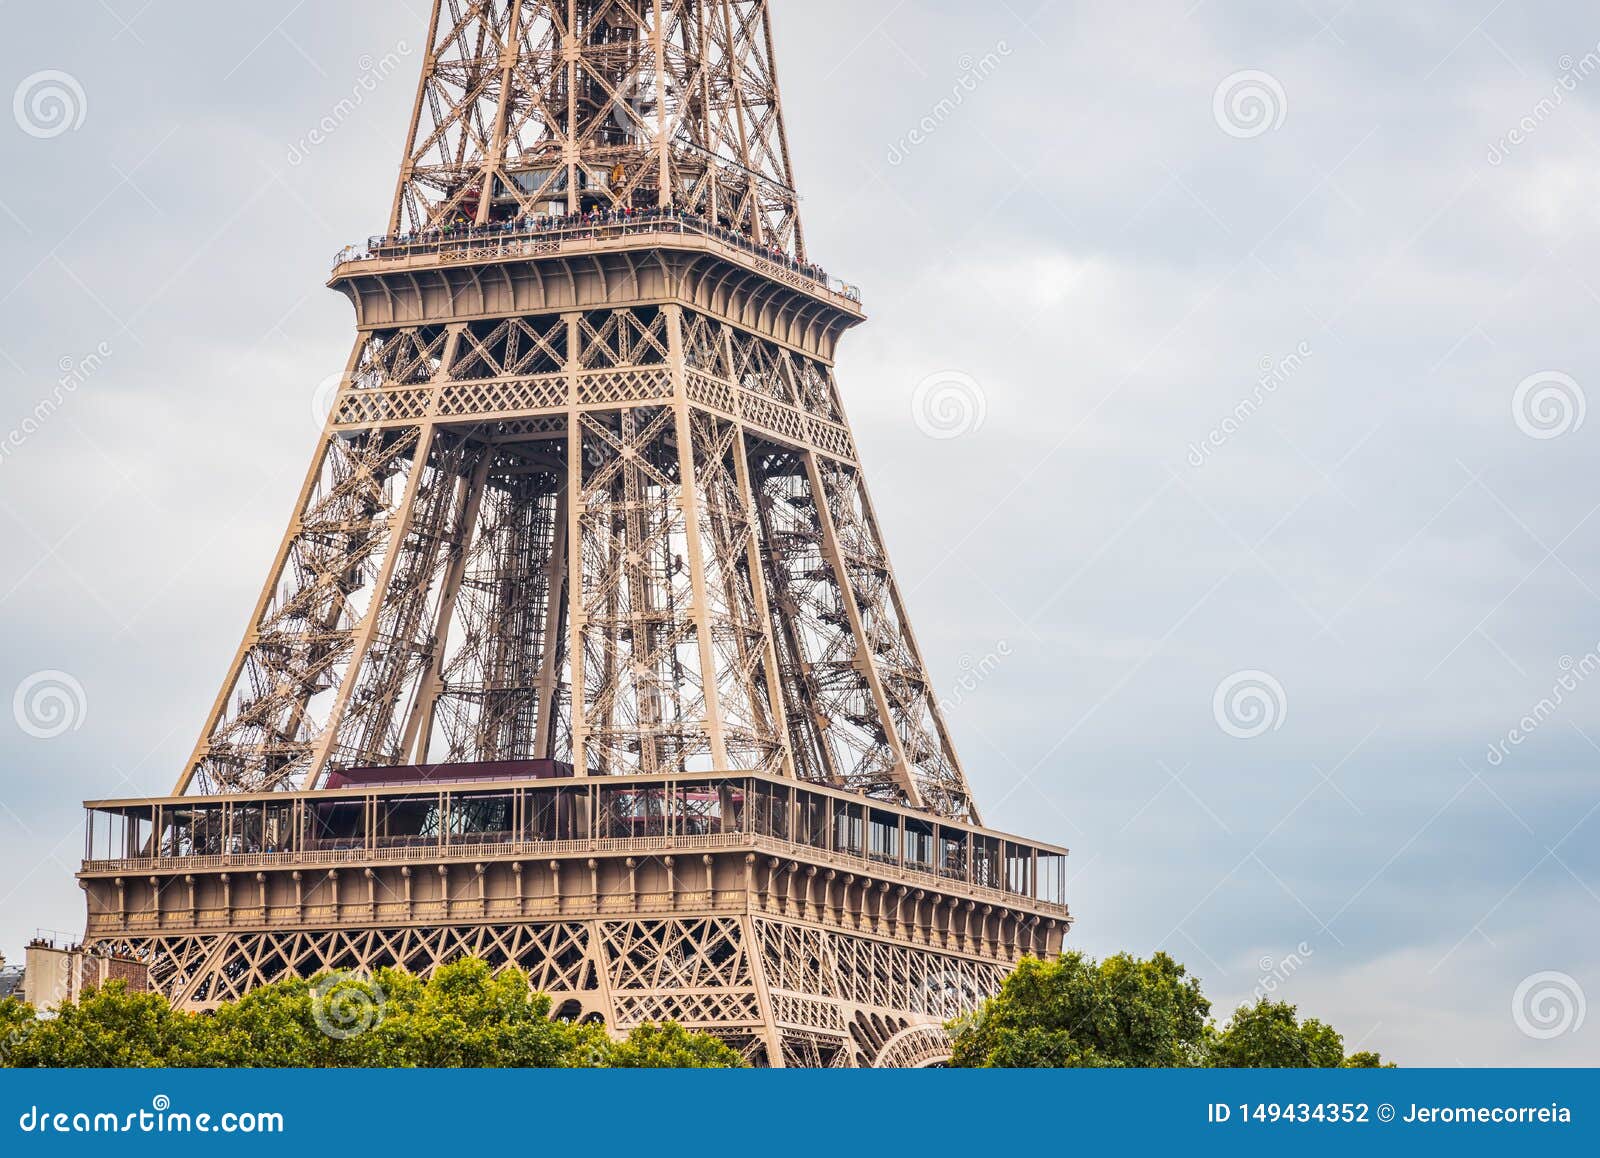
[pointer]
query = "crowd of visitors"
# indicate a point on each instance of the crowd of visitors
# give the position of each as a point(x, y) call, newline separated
point(593, 224)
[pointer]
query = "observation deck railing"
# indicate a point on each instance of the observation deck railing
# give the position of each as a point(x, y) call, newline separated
point(381, 852)
point(553, 235)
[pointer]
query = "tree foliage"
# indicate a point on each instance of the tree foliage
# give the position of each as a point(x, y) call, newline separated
point(1078, 1013)
point(1128, 1013)
point(16, 1022)
point(463, 1017)
point(671, 1047)
point(1270, 1035)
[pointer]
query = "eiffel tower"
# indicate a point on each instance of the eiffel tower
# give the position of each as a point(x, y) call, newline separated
point(583, 652)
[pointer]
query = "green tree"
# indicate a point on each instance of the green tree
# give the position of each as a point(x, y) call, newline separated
point(1077, 1013)
point(110, 1029)
point(671, 1047)
point(16, 1021)
point(1367, 1060)
point(1124, 1012)
point(463, 1017)
point(1270, 1035)
point(293, 1024)
point(466, 1017)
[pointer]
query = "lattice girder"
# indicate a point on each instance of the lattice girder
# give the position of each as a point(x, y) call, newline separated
point(524, 106)
point(664, 572)
point(790, 994)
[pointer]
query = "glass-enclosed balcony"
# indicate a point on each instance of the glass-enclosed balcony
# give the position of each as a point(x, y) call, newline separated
point(472, 817)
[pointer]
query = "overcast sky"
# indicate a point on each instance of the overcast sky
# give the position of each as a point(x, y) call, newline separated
point(1260, 654)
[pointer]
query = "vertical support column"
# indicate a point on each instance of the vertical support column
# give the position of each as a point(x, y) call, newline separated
point(864, 658)
point(733, 66)
point(406, 164)
point(555, 619)
point(702, 13)
point(658, 49)
point(577, 616)
point(690, 497)
point(910, 636)
point(494, 163)
point(758, 582)
point(367, 632)
point(783, 135)
point(756, 956)
point(572, 54)
point(419, 728)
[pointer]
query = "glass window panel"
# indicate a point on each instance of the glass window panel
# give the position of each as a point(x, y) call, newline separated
point(919, 844)
point(481, 819)
point(772, 810)
point(849, 828)
point(952, 849)
point(632, 813)
point(813, 812)
point(883, 837)
point(986, 869)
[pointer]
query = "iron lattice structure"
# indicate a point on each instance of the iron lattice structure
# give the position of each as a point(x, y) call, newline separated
point(588, 497)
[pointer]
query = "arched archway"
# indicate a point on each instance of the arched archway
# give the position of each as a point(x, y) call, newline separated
point(918, 1048)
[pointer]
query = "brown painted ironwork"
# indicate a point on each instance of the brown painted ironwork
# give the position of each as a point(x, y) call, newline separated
point(588, 494)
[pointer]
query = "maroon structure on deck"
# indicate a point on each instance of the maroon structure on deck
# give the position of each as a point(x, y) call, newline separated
point(508, 770)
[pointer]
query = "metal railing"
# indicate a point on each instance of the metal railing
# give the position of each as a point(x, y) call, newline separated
point(547, 849)
point(545, 236)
